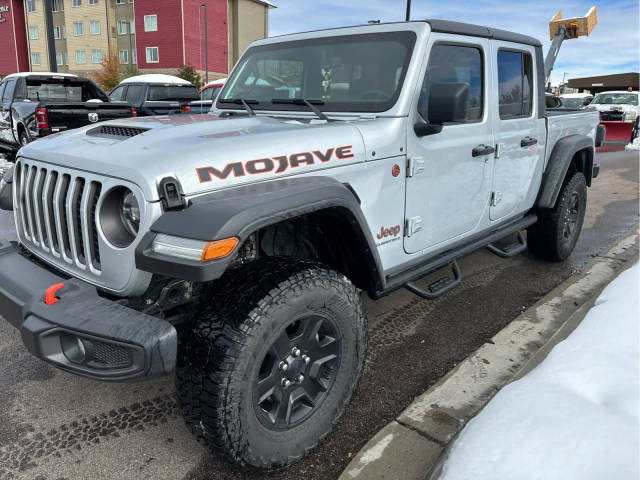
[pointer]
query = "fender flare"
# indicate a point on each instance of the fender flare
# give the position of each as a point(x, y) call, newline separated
point(558, 165)
point(240, 211)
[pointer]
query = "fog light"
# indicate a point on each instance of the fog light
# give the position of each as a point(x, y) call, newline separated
point(73, 348)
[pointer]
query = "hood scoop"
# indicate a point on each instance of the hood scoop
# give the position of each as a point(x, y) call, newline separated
point(115, 132)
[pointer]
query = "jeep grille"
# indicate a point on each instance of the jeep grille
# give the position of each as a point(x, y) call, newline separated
point(57, 214)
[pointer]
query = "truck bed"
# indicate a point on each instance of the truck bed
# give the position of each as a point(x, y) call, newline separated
point(562, 123)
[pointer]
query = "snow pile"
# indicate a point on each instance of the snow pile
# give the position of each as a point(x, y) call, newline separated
point(575, 416)
point(635, 145)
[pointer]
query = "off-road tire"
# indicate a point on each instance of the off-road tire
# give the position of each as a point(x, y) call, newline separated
point(221, 354)
point(547, 238)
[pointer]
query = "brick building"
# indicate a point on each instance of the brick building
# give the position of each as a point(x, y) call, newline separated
point(150, 35)
point(13, 40)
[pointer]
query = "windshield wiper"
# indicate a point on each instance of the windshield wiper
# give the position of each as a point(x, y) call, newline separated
point(243, 102)
point(304, 101)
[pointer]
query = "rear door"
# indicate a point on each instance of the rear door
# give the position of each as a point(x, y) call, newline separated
point(448, 188)
point(520, 134)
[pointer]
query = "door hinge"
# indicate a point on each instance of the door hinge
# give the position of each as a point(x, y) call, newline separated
point(412, 226)
point(415, 165)
point(496, 198)
point(499, 147)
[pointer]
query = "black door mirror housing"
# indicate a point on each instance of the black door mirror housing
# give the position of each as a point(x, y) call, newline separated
point(448, 103)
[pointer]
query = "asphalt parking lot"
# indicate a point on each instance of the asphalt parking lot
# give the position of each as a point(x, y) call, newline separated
point(54, 425)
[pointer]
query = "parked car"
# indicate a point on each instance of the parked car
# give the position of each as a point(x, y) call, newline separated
point(575, 100)
point(208, 94)
point(235, 247)
point(37, 104)
point(619, 113)
point(155, 94)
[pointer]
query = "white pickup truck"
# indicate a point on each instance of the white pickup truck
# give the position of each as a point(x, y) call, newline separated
point(232, 247)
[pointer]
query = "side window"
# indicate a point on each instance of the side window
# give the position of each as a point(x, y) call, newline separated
point(116, 94)
point(134, 94)
point(515, 84)
point(8, 90)
point(455, 64)
point(2, 89)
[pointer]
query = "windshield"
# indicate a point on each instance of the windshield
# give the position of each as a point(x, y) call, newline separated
point(572, 102)
point(355, 73)
point(159, 93)
point(616, 99)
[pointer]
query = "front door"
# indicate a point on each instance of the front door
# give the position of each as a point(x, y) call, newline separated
point(449, 187)
point(520, 135)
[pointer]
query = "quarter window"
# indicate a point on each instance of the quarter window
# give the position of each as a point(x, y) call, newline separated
point(153, 55)
point(150, 23)
point(455, 64)
point(515, 84)
point(116, 94)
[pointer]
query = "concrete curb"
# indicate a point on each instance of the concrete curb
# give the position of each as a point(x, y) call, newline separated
point(412, 446)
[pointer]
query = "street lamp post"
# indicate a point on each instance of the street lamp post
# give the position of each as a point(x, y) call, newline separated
point(206, 45)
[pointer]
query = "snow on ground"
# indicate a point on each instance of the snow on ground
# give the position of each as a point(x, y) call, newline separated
point(635, 145)
point(575, 416)
point(4, 164)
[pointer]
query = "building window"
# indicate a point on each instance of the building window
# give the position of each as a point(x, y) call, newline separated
point(125, 27)
point(150, 23)
point(94, 27)
point(31, 7)
point(57, 5)
point(119, 2)
point(153, 55)
point(96, 56)
point(59, 58)
point(76, 3)
point(81, 57)
point(93, 2)
point(33, 33)
point(78, 29)
point(35, 59)
point(134, 57)
point(130, 1)
point(124, 56)
point(59, 32)
point(66, 58)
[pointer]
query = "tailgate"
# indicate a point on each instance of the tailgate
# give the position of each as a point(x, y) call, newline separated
point(66, 116)
point(162, 107)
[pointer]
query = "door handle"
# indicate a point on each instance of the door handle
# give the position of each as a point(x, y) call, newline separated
point(481, 150)
point(528, 141)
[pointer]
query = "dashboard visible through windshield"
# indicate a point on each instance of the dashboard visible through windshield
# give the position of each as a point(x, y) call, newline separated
point(355, 73)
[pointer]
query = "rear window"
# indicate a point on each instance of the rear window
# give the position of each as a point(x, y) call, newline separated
point(159, 93)
point(63, 91)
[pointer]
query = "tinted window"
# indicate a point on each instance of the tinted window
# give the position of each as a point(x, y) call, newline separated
point(134, 94)
point(116, 94)
point(455, 64)
point(355, 73)
point(2, 89)
point(515, 83)
point(172, 93)
point(63, 90)
point(210, 93)
point(8, 91)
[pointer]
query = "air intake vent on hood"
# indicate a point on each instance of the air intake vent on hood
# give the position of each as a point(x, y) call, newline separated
point(114, 131)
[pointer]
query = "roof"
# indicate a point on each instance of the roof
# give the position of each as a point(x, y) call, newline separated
point(220, 81)
point(36, 74)
point(156, 78)
point(266, 3)
point(575, 95)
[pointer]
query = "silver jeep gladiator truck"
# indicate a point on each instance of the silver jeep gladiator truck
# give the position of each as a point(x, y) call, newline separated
point(233, 247)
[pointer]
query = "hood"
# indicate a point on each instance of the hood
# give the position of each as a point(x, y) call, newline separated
point(204, 152)
point(608, 107)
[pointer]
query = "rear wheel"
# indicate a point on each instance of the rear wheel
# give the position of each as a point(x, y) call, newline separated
point(265, 376)
point(557, 230)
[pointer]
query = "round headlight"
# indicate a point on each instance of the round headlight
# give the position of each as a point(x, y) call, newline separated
point(120, 217)
point(130, 211)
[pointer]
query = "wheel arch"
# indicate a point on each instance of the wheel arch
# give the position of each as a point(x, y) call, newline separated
point(574, 153)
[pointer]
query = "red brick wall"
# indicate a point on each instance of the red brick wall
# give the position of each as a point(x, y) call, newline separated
point(169, 36)
point(217, 29)
point(13, 43)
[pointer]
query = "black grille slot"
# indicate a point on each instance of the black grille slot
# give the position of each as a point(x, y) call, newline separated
point(76, 218)
point(49, 212)
point(94, 248)
point(114, 131)
point(62, 202)
point(39, 206)
point(111, 356)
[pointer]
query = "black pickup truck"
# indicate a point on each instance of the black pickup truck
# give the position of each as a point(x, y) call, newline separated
point(37, 104)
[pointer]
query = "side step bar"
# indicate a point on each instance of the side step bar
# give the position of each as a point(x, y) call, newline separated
point(401, 280)
point(511, 250)
point(439, 287)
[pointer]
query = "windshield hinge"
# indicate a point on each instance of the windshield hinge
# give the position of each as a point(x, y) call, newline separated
point(170, 193)
point(415, 165)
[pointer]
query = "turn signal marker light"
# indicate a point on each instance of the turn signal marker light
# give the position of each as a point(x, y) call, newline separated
point(218, 249)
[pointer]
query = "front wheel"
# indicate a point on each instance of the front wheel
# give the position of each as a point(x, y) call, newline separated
point(554, 235)
point(265, 376)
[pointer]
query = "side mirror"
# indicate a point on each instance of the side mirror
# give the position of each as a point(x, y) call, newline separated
point(448, 102)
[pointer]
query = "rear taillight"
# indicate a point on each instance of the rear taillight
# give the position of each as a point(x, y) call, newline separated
point(185, 108)
point(42, 119)
point(134, 112)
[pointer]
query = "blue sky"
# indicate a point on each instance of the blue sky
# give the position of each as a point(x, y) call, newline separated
point(613, 46)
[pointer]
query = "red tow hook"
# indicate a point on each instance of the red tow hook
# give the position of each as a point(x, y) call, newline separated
point(50, 294)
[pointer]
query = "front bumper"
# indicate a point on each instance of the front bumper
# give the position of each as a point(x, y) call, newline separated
point(82, 333)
